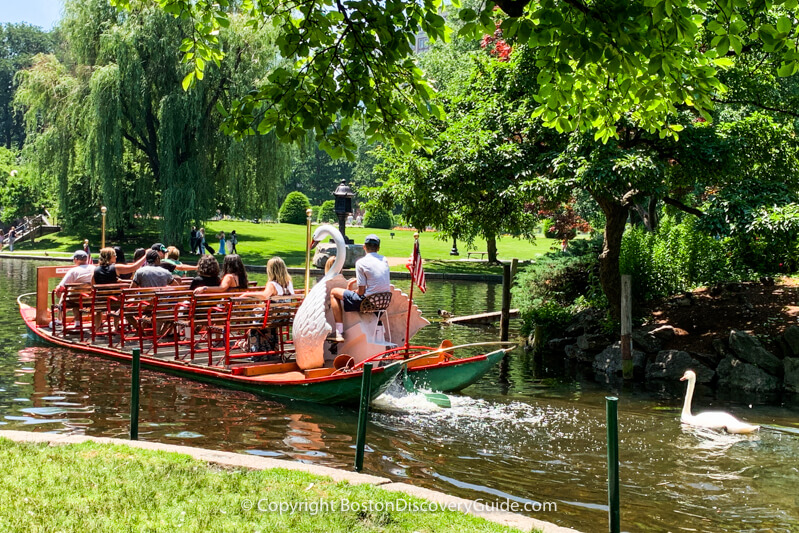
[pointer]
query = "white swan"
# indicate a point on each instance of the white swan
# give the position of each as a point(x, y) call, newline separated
point(310, 324)
point(710, 419)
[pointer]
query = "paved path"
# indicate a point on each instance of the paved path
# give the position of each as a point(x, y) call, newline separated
point(524, 523)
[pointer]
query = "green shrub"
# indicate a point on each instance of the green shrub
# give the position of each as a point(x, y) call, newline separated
point(293, 209)
point(315, 212)
point(674, 258)
point(546, 291)
point(378, 218)
point(327, 212)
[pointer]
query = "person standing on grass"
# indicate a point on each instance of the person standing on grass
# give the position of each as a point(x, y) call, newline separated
point(203, 244)
point(221, 243)
point(193, 240)
point(12, 236)
point(234, 240)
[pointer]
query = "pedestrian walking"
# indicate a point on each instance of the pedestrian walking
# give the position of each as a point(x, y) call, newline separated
point(203, 244)
point(12, 236)
point(88, 251)
point(193, 240)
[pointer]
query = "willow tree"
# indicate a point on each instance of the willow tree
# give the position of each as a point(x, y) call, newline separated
point(141, 144)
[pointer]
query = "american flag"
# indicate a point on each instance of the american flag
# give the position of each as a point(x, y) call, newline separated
point(414, 265)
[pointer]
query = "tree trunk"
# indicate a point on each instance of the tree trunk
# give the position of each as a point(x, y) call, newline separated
point(491, 245)
point(609, 276)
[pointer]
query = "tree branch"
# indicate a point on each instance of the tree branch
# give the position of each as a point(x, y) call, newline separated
point(681, 206)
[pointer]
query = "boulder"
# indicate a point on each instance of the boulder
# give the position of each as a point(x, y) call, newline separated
point(646, 341)
point(556, 345)
point(608, 361)
point(749, 349)
point(791, 365)
point(325, 251)
point(592, 343)
point(736, 374)
point(720, 348)
point(574, 352)
point(583, 322)
point(792, 338)
point(664, 333)
point(671, 365)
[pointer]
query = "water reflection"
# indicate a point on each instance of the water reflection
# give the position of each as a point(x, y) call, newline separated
point(527, 436)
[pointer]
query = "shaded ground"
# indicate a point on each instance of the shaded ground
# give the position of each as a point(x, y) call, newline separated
point(760, 308)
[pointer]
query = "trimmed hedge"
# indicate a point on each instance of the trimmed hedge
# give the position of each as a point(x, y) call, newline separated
point(293, 209)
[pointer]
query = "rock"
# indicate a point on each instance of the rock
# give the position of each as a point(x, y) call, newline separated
point(734, 287)
point(672, 364)
point(608, 361)
point(768, 281)
point(646, 341)
point(684, 302)
point(720, 348)
point(574, 352)
point(792, 338)
point(749, 349)
point(664, 333)
point(736, 374)
point(592, 343)
point(583, 322)
point(325, 251)
point(791, 366)
point(556, 345)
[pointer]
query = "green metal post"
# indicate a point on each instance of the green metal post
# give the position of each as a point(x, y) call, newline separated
point(612, 414)
point(363, 415)
point(134, 394)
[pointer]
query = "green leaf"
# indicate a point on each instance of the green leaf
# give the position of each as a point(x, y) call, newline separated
point(467, 14)
point(784, 24)
point(188, 81)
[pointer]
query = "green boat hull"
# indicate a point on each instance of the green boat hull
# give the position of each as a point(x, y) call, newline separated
point(453, 377)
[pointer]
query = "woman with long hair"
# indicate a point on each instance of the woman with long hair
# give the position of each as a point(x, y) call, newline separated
point(234, 276)
point(279, 283)
point(109, 271)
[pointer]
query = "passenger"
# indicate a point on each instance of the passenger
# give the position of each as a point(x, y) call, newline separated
point(207, 273)
point(234, 276)
point(371, 277)
point(173, 258)
point(81, 273)
point(109, 271)
point(151, 274)
point(279, 283)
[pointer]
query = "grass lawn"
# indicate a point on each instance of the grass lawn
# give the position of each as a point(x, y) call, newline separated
point(99, 487)
point(259, 242)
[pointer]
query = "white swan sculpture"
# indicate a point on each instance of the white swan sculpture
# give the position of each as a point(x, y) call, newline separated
point(310, 323)
point(710, 419)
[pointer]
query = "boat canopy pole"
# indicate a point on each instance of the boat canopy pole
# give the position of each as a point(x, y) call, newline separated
point(308, 214)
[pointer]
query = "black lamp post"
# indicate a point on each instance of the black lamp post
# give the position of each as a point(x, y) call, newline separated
point(454, 250)
point(343, 207)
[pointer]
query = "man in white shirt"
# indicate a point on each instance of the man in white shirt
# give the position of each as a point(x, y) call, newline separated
point(371, 277)
point(82, 272)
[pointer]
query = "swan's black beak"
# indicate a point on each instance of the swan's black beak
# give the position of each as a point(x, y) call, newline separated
point(313, 244)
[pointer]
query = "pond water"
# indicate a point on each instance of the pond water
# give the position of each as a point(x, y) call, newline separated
point(518, 434)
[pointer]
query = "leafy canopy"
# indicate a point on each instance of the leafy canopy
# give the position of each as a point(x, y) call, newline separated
point(599, 60)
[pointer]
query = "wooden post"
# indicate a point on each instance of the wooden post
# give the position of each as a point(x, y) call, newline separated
point(135, 386)
point(507, 279)
point(626, 327)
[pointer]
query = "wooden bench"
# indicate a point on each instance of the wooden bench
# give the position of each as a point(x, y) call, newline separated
point(78, 298)
point(481, 254)
point(273, 318)
point(106, 309)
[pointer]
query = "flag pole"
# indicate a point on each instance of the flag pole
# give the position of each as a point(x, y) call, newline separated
point(410, 293)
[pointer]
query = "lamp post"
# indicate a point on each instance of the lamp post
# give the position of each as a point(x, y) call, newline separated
point(102, 240)
point(343, 207)
point(454, 250)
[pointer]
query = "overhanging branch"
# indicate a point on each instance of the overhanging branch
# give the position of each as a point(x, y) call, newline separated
point(682, 207)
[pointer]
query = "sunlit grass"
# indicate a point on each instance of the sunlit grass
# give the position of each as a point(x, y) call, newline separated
point(112, 488)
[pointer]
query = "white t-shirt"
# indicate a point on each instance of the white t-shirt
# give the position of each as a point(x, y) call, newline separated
point(279, 289)
point(78, 274)
point(373, 272)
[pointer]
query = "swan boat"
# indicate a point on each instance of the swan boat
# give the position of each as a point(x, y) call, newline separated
point(279, 378)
